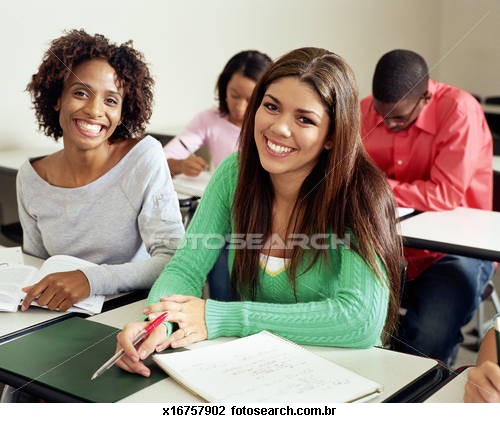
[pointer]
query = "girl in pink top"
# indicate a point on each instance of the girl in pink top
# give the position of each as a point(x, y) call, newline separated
point(218, 128)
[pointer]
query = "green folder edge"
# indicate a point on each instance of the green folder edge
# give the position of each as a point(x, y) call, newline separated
point(64, 356)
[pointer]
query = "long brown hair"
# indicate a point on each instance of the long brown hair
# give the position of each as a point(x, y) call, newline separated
point(345, 190)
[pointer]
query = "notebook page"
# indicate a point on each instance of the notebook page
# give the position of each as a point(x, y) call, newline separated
point(192, 185)
point(263, 368)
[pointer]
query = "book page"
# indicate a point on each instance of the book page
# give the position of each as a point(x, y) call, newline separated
point(12, 279)
point(264, 368)
point(62, 263)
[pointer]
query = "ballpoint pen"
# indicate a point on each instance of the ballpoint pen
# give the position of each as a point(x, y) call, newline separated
point(139, 337)
point(185, 147)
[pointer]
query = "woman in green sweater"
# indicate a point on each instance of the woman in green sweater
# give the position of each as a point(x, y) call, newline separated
point(314, 253)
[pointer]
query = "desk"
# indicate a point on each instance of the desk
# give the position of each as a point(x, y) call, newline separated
point(453, 391)
point(496, 163)
point(462, 231)
point(392, 369)
point(10, 162)
point(494, 109)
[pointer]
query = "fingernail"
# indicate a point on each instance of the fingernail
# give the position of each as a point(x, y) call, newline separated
point(160, 348)
point(143, 354)
point(146, 373)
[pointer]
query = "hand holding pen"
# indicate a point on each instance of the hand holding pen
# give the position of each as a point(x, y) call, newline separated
point(193, 165)
point(483, 381)
point(140, 336)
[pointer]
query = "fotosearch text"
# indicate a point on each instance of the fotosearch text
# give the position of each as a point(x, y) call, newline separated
point(259, 242)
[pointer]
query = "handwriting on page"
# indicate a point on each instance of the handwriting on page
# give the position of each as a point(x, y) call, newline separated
point(268, 375)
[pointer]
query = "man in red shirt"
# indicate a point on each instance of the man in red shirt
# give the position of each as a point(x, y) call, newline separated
point(433, 143)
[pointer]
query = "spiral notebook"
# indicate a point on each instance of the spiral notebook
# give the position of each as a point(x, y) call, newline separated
point(264, 368)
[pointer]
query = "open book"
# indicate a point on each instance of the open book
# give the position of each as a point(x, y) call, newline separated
point(264, 368)
point(14, 277)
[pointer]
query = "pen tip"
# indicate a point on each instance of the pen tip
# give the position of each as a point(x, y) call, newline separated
point(93, 377)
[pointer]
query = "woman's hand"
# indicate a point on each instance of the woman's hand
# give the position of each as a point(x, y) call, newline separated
point(483, 383)
point(193, 166)
point(132, 360)
point(189, 314)
point(58, 291)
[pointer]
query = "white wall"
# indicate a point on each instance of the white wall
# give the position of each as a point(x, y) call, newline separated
point(187, 42)
point(470, 40)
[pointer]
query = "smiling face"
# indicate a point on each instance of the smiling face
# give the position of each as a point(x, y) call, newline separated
point(238, 93)
point(291, 126)
point(90, 105)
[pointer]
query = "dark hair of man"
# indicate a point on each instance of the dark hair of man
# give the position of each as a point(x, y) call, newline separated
point(250, 63)
point(344, 193)
point(400, 74)
point(75, 47)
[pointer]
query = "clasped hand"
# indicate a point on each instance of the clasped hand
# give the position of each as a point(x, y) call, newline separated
point(58, 291)
point(189, 314)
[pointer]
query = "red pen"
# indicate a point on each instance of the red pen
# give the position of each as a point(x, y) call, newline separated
point(139, 337)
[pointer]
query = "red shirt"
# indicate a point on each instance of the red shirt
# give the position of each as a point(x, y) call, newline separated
point(441, 161)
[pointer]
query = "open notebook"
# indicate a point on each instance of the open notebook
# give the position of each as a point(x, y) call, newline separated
point(264, 368)
point(192, 185)
point(14, 276)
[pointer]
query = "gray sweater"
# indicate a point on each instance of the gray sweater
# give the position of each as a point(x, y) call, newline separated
point(128, 220)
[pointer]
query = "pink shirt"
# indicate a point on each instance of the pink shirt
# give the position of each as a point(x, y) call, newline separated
point(207, 128)
point(442, 161)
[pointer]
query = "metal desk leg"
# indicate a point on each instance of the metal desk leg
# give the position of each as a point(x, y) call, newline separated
point(9, 394)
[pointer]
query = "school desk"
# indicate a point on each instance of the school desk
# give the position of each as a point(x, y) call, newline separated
point(10, 162)
point(453, 390)
point(404, 377)
point(462, 231)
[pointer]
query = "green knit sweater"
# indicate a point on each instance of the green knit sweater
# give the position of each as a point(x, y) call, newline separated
point(340, 304)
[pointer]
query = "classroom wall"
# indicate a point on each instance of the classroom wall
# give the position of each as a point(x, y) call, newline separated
point(188, 42)
point(470, 41)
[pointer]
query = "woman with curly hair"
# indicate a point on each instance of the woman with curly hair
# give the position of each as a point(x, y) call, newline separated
point(107, 196)
point(314, 251)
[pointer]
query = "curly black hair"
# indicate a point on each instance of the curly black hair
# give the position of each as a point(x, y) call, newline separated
point(76, 47)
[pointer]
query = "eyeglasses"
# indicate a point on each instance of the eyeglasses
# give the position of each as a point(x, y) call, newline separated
point(402, 120)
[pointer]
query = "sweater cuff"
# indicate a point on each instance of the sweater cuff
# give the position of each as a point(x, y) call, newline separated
point(100, 280)
point(224, 318)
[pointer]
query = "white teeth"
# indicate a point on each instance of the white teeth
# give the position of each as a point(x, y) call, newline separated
point(278, 148)
point(89, 126)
